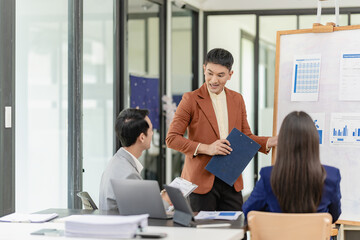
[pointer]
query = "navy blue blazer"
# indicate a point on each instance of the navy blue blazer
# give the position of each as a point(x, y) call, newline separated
point(262, 197)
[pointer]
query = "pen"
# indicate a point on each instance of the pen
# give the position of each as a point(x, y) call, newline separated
point(213, 225)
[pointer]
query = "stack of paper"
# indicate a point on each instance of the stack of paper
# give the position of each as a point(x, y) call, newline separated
point(185, 186)
point(104, 226)
point(25, 217)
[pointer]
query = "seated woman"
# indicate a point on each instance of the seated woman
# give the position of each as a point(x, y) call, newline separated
point(297, 183)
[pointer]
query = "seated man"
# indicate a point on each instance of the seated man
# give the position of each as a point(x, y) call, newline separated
point(134, 130)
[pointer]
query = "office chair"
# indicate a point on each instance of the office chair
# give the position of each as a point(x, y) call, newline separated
point(87, 201)
point(285, 226)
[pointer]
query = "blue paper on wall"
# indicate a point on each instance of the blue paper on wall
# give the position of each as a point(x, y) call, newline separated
point(228, 168)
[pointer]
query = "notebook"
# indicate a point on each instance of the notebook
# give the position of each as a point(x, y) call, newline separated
point(229, 167)
point(139, 197)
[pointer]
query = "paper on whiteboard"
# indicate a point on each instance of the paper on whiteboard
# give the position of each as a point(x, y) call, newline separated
point(349, 83)
point(319, 121)
point(306, 77)
point(345, 129)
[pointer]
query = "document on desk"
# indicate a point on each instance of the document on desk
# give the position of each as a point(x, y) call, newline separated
point(228, 168)
point(218, 215)
point(28, 218)
point(184, 185)
point(101, 226)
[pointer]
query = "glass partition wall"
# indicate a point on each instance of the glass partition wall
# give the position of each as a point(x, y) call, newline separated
point(268, 26)
point(144, 73)
point(98, 84)
point(182, 75)
point(41, 104)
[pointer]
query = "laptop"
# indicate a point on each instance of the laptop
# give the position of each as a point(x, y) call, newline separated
point(183, 213)
point(139, 197)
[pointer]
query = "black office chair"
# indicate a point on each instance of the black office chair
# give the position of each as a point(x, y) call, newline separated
point(87, 201)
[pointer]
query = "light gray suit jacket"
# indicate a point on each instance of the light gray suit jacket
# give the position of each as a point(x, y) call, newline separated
point(121, 166)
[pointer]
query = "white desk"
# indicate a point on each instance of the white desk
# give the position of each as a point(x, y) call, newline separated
point(21, 231)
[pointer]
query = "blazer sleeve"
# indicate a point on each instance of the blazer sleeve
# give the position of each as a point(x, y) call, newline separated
point(257, 199)
point(175, 137)
point(335, 205)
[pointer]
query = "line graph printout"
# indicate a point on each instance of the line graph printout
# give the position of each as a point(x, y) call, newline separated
point(306, 77)
point(349, 83)
point(319, 121)
point(345, 129)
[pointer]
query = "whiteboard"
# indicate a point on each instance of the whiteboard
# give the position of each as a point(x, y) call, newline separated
point(330, 46)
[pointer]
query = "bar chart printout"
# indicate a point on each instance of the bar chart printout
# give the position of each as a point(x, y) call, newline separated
point(319, 121)
point(345, 129)
point(306, 77)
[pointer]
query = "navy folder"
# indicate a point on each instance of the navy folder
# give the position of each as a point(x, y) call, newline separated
point(228, 168)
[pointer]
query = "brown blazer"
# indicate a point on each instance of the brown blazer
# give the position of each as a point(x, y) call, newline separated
point(196, 114)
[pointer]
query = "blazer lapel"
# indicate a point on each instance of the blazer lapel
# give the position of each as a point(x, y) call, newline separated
point(231, 108)
point(206, 107)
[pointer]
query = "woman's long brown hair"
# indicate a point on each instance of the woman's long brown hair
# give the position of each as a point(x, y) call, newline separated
point(298, 177)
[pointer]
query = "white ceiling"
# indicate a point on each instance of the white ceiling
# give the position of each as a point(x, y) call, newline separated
point(222, 5)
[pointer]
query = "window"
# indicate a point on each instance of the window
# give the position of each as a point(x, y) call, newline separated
point(41, 104)
point(181, 67)
point(98, 122)
point(268, 26)
point(144, 73)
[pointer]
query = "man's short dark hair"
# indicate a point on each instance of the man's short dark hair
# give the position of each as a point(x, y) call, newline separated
point(130, 124)
point(220, 56)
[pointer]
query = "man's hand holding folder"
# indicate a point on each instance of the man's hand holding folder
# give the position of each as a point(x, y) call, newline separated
point(229, 167)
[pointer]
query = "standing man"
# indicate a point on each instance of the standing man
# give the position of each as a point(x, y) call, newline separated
point(134, 130)
point(209, 114)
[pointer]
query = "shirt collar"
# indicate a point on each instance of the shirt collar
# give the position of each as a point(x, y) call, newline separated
point(214, 95)
point(139, 166)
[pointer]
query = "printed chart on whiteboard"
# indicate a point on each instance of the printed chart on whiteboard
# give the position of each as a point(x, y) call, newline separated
point(349, 83)
point(306, 77)
point(345, 129)
point(319, 121)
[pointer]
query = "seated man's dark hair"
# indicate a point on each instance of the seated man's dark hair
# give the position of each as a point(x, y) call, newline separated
point(130, 124)
point(220, 56)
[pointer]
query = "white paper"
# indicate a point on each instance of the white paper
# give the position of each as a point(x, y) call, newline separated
point(220, 215)
point(345, 129)
point(25, 217)
point(306, 78)
point(319, 121)
point(106, 219)
point(185, 186)
point(104, 226)
point(349, 83)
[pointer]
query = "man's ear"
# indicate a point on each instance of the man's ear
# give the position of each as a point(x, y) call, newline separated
point(231, 73)
point(204, 66)
point(141, 137)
